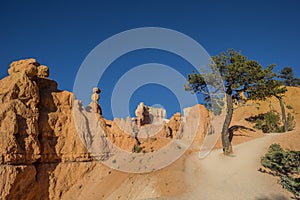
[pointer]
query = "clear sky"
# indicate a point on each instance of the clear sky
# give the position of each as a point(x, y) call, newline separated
point(60, 34)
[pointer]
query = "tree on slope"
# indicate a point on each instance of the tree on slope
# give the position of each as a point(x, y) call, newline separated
point(288, 78)
point(271, 86)
point(240, 76)
point(275, 85)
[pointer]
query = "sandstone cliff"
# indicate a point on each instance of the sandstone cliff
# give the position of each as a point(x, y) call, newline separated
point(41, 152)
point(37, 133)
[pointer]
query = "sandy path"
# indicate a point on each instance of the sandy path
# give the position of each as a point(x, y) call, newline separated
point(235, 177)
point(213, 178)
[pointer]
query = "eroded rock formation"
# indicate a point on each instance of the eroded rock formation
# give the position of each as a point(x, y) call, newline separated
point(94, 105)
point(45, 150)
point(149, 115)
point(36, 129)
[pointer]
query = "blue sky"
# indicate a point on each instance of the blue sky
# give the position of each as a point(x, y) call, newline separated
point(60, 34)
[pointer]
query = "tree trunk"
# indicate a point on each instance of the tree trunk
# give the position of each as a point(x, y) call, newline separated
point(283, 113)
point(227, 148)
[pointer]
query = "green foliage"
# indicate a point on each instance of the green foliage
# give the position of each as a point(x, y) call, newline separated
point(291, 123)
point(239, 74)
point(268, 86)
point(270, 122)
point(286, 165)
point(291, 184)
point(137, 148)
point(288, 78)
point(289, 107)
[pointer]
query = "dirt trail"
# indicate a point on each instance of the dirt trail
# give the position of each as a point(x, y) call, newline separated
point(215, 177)
point(236, 177)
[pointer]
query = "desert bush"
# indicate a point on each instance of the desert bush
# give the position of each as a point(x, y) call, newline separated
point(270, 122)
point(137, 148)
point(291, 184)
point(291, 123)
point(286, 165)
point(289, 107)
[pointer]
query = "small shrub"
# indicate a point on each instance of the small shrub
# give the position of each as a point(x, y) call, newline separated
point(291, 123)
point(289, 107)
point(291, 184)
point(286, 165)
point(270, 122)
point(137, 148)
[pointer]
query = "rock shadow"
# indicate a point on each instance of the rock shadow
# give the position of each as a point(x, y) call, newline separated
point(49, 160)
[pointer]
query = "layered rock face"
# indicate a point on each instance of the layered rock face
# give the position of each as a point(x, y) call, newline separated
point(36, 131)
point(19, 115)
point(42, 154)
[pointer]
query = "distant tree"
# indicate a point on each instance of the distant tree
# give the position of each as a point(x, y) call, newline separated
point(240, 76)
point(271, 86)
point(288, 78)
point(275, 85)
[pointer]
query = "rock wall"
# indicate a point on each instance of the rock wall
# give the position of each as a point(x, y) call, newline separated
point(36, 129)
point(43, 153)
point(158, 115)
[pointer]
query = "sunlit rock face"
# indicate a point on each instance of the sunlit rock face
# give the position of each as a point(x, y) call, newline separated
point(37, 133)
point(49, 142)
point(149, 115)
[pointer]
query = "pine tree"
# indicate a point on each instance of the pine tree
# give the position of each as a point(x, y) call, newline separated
point(288, 78)
point(275, 85)
point(270, 86)
point(240, 76)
